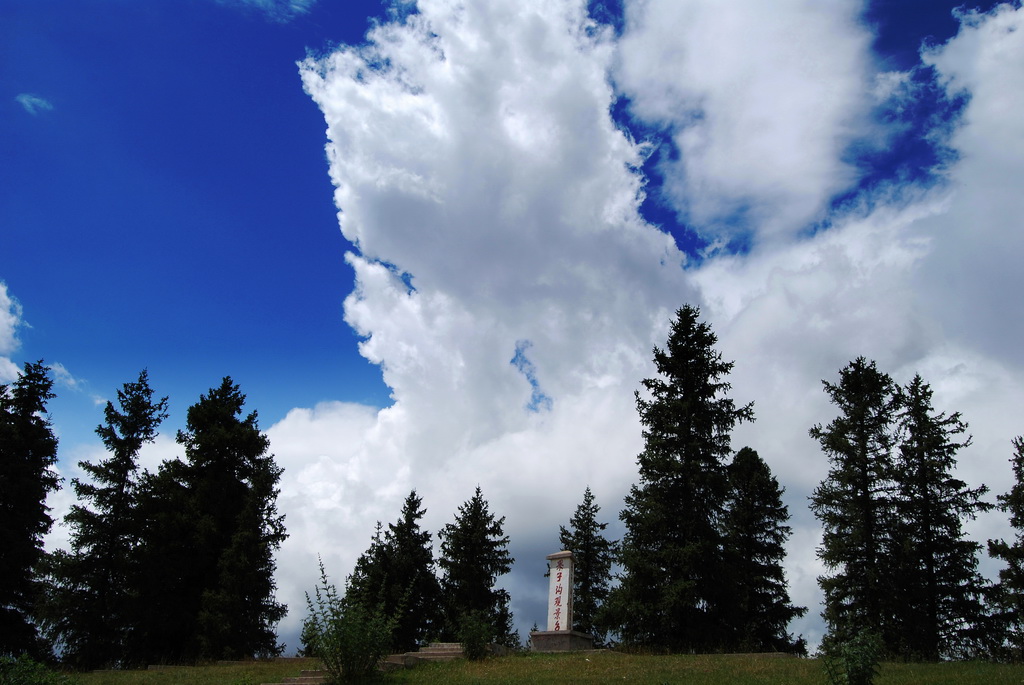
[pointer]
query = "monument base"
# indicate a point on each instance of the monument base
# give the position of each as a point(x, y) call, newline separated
point(560, 641)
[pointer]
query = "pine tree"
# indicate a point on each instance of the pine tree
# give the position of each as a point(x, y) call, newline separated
point(939, 590)
point(593, 556)
point(92, 593)
point(396, 576)
point(28, 452)
point(474, 553)
point(417, 593)
point(1008, 593)
point(212, 528)
point(755, 537)
point(855, 504)
point(671, 594)
point(368, 583)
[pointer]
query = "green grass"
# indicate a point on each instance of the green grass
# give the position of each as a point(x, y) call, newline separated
point(250, 673)
point(596, 667)
point(609, 667)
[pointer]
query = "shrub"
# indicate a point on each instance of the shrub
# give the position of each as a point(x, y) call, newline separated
point(24, 671)
point(475, 635)
point(350, 638)
point(854, 662)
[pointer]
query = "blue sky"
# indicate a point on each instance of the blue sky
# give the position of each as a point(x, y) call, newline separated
point(172, 209)
point(526, 192)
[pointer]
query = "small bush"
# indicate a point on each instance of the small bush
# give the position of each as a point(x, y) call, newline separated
point(475, 635)
point(24, 671)
point(349, 638)
point(854, 662)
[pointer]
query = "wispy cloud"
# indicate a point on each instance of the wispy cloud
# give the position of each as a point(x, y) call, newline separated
point(33, 104)
point(66, 379)
point(276, 10)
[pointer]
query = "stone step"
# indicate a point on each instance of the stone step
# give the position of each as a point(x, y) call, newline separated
point(304, 678)
point(443, 646)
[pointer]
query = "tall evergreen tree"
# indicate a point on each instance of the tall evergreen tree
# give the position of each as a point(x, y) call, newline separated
point(855, 504)
point(1008, 592)
point(368, 583)
point(671, 594)
point(474, 553)
point(93, 584)
point(593, 556)
point(396, 576)
point(212, 528)
point(755, 537)
point(939, 608)
point(417, 593)
point(28, 452)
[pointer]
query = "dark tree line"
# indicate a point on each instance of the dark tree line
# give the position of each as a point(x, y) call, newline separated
point(178, 564)
point(703, 549)
point(899, 563)
point(28, 453)
point(163, 567)
point(705, 528)
point(397, 577)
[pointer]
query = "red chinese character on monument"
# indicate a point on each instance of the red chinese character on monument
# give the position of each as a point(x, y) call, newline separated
point(558, 601)
point(560, 564)
point(558, 626)
point(558, 577)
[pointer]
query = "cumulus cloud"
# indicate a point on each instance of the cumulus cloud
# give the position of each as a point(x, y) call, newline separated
point(976, 270)
point(501, 259)
point(33, 104)
point(760, 99)
point(10, 320)
point(504, 282)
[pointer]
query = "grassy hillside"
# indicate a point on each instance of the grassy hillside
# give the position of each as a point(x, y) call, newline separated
point(604, 667)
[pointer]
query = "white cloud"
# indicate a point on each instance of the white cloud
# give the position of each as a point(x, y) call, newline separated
point(494, 206)
point(33, 104)
point(10, 320)
point(923, 284)
point(276, 10)
point(761, 100)
point(974, 277)
point(484, 166)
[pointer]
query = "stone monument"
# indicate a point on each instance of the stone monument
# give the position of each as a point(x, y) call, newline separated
point(560, 637)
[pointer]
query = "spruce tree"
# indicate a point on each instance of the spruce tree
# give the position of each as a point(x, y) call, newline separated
point(474, 553)
point(593, 556)
point(855, 505)
point(368, 583)
point(671, 594)
point(755, 537)
point(1008, 593)
point(212, 528)
point(28, 452)
point(93, 584)
point(396, 577)
point(416, 591)
point(939, 608)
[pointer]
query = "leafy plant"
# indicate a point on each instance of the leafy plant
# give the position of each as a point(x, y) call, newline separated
point(855, 662)
point(474, 633)
point(23, 670)
point(349, 637)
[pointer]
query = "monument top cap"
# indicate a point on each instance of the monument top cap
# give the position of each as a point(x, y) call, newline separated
point(565, 554)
